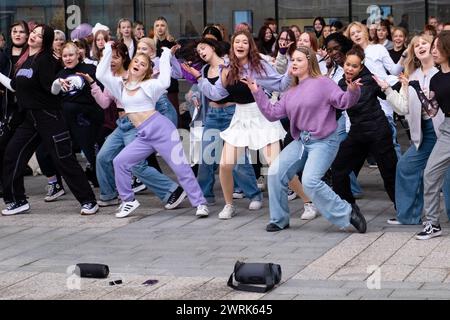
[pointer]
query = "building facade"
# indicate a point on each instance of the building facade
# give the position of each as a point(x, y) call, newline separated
point(188, 17)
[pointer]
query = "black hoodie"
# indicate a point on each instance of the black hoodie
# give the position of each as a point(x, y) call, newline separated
point(367, 116)
point(33, 81)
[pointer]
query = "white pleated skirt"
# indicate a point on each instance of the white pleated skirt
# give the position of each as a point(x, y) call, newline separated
point(249, 128)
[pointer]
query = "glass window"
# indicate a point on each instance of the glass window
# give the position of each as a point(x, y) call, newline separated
point(104, 11)
point(231, 12)
point(43, 11)
point(412, 12)
point(440, 9)
point(292, 12)
point(185, 17)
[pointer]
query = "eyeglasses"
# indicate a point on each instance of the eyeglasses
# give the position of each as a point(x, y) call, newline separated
point(284, 39)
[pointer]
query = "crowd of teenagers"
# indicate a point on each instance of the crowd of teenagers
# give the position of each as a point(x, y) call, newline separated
point(299, 111)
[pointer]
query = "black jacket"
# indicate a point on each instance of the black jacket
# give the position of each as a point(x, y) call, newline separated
point(367, 116)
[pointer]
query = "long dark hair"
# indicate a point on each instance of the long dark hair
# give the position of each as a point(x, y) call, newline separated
point(263, 46)
point(291, 49)
point(48, 35)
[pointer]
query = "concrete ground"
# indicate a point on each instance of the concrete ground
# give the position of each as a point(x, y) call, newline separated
point(192, 258)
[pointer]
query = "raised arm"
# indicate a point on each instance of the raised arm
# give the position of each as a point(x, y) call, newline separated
point(272, 80)
point(388, 63)
point(105, 75)
point(155, 87)
point(271, 111)
point(340, 99)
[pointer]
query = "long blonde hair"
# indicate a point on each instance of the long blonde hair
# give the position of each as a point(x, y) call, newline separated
point(411, 61)
point(313, 64)
point(167, 36)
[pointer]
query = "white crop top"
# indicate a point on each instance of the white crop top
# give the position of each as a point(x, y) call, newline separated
point(149, 90)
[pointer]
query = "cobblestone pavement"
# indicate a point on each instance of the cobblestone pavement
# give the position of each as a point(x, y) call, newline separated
point(192, 258)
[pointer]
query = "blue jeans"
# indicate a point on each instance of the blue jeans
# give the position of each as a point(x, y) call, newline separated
point(166, 108)
point(409, 178)
point(397, 147)
point(218, 119)
point(123, 135)
point(342, 135)
point(314, 157)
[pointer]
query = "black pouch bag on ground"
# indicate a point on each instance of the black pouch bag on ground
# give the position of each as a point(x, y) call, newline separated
point(93, 270)
point(255, 277)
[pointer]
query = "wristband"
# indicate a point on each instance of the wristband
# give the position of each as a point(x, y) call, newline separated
point(198, 77)
point(92, 82)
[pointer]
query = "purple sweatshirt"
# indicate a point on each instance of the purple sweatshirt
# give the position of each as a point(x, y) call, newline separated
point(310, 106)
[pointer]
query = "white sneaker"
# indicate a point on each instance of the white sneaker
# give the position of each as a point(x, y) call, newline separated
point(126, 208)
point(202, 211)
point(394, 221)
point(310, 211)
point(255, 205)
point(238, 195)
point(227, 212)
point(291, 194)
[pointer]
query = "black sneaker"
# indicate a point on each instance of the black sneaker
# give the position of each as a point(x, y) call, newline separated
point(357, 219)
point(54, 191)
point(429, 231)
point(13, 208)
point(175, 198)
point(89, 208)
point(137, 185)
point(272, 227)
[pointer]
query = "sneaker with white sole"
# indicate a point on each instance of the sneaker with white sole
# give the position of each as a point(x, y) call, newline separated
point(12, 208)
point(255, 205)
point(202, 211)
point(227, 212)
point(89, 208)
point(291, 194)
point(137, 185)
point(126, 208)
point(238, 194)
point(429, 231)
point(54, 191)
point(310, 211)
point(176, 198)
point(394, 221)
point(108, 203)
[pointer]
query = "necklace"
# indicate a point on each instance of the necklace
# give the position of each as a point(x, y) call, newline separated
point(132, 85)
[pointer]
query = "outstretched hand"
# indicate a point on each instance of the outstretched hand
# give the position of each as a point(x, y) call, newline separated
point(381, 83)
point(353, 85)
point(186, 67)
point(251, 83)
point(86, 77)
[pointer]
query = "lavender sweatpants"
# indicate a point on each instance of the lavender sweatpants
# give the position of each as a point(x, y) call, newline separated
point(156, 134)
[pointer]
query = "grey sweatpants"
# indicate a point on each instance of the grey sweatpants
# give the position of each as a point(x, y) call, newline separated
point(433, 178)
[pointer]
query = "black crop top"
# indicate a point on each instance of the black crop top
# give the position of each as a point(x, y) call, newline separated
point(213, 81)
point(240, 93)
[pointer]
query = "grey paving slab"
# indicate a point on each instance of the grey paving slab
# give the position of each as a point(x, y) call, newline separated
point(192, 258)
